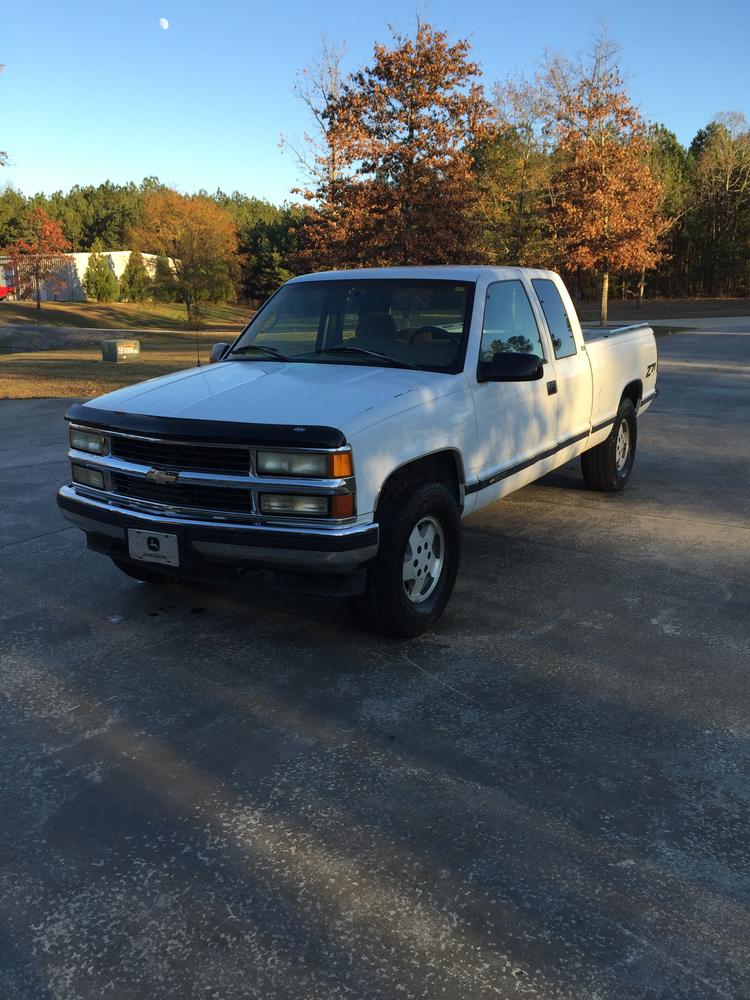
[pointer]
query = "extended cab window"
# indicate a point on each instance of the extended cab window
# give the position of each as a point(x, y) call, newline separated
point(509, 323)
point(557, 318)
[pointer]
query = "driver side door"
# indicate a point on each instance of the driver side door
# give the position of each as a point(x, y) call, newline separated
point(516, 421)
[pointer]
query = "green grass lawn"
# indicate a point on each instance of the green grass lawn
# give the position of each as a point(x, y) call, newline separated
point(79, 371)
point(121, 315)
point(37, 363)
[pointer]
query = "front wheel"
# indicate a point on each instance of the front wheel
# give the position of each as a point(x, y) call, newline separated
point(413, 575)
point(607, 467)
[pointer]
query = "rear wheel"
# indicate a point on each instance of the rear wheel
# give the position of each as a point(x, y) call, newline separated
point(607, 467)
point(143, 573)
point(412, 578)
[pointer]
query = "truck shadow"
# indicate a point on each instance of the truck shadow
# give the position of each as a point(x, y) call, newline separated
point(567, 477)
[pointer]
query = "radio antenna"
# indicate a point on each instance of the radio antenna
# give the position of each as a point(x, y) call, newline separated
point(197, 345)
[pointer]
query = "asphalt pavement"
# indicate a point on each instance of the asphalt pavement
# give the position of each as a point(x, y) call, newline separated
point(223, 793)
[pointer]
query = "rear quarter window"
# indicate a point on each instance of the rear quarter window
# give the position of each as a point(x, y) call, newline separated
point(558, 321)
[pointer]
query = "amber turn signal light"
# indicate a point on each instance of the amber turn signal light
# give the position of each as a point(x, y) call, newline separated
point(341, 465)
point(342, 505)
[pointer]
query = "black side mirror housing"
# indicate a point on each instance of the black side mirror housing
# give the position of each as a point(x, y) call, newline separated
point(510, 366)
point(218, 351)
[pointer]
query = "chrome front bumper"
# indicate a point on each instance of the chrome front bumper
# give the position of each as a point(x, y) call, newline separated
point(336, 549)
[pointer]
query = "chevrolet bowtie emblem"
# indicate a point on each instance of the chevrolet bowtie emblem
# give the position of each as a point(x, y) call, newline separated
point(162, 476)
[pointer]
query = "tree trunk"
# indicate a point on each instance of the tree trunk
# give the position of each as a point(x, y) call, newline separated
point(641, 287)
point(38, 293)
point(605, 299)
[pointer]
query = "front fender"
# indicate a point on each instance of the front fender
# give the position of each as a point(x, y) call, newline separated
point(447, 423)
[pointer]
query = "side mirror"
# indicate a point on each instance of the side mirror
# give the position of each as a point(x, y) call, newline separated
point(509, 366)
point(218, 351)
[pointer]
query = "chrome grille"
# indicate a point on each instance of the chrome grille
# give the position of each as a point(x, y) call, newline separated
point(228, 461)
point(182, 494)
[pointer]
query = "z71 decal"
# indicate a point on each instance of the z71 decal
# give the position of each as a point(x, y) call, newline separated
point(651, 369)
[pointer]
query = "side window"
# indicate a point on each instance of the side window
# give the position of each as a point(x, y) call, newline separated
point(509, 323)
point(557, 318)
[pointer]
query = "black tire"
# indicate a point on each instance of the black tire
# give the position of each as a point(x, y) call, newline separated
point(143, 573)
point(601, 468)
point(385, 606)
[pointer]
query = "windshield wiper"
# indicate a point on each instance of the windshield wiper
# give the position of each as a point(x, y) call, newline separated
point(261, 347)
point(343, 349)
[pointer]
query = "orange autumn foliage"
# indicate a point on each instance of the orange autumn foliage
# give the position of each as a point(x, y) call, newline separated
point(606, 205)
point(403, 130)
point(39, 257)
point(199, 237)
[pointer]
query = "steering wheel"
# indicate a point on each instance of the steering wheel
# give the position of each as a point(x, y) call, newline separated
point(442, 334)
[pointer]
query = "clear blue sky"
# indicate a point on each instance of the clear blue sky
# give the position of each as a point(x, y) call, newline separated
point(96, 90)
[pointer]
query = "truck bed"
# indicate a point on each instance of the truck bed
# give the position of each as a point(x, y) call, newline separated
point(593, 331)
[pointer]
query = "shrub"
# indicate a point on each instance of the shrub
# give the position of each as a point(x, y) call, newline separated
point(164, 285)
point(135, 281)
point(99, 281)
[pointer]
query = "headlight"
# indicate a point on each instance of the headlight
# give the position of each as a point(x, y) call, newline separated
point(273, 503)
point(96, 444)
point(307, 465)
point(88, 477)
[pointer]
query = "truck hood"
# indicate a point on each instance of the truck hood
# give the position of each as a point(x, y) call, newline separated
point(344, 396)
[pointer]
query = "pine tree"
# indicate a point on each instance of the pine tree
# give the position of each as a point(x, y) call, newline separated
point(99, 281)
point(135, 282)
point(722, 218)
point(164, 286)
point(514, 169)
point(264, 263)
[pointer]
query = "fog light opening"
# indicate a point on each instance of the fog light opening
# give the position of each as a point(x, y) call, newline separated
point(294, 504)
point(88, 477)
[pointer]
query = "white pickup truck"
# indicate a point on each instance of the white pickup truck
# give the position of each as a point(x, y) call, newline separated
point(337, 443)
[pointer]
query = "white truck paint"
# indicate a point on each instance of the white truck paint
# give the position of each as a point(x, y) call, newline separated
point(487, 437)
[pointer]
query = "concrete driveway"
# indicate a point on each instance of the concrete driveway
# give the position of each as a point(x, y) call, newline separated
point(221, 793)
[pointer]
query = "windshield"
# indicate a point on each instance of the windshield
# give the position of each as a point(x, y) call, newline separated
point(402, 322)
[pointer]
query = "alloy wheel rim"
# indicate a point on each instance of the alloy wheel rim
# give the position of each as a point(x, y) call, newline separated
point(622, 446)
point(424, 558)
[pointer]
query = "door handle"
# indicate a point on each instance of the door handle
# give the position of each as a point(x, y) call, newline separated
point(552, 388)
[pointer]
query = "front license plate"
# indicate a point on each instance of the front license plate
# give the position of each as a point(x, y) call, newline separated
point(153, 546)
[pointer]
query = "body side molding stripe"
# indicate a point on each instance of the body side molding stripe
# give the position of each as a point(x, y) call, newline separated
point(482, 484)
point(600, 427)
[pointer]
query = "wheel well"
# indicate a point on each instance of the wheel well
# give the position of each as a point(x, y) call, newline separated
point(443, 466)
point(633, 391)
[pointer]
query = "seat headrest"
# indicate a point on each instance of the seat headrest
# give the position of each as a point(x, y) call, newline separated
point(376, 326)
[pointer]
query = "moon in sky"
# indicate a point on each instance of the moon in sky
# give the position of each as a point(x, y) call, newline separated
point(163, 23)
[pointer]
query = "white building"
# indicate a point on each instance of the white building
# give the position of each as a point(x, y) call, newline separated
point(67, 284)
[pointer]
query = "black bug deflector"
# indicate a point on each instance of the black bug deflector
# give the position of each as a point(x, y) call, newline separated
point(210, 431)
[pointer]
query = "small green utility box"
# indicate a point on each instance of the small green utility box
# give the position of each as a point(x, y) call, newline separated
point(120, 350)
